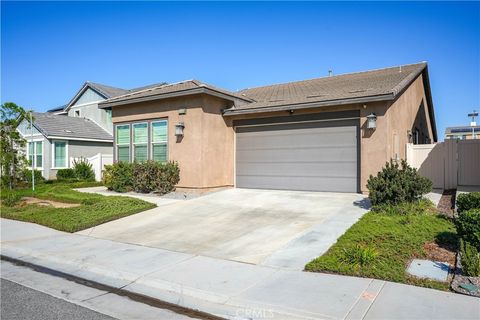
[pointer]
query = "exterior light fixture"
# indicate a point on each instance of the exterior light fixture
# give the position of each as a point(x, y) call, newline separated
point(179, 129)
point(372, 121)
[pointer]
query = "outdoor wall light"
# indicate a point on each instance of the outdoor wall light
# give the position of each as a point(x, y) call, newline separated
point(371, 121)
point(179, 129)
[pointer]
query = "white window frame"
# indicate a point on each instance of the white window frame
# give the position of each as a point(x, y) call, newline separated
point(66, 155)
point(132, 140)
point(151, 139)
point(129, 141)
point(34, 162)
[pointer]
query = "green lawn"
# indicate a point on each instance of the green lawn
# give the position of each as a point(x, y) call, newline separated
point(393, 240)
point(93, 210)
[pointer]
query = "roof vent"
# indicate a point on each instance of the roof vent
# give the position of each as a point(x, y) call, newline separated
point(68, 131)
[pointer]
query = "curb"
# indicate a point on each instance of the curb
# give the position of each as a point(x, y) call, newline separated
point(118, 291)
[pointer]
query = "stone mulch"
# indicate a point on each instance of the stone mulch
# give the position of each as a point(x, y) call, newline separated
point(47, 203)
point(447, 203)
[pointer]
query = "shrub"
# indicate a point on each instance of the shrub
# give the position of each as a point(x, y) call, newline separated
point(467, 201)
point(422, 206)
point(26, 176)
point(65, 174)
point(468, 226)
point(396, 184)
point(169, 177)
point(142, 177)
point(470, 258)
point(359, 255)
point(10, 198)
point(153, 176)
point(146, 175)
point(118, 177)
point(83, 170)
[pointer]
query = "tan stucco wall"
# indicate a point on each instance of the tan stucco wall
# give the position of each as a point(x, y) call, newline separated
point(205, 153)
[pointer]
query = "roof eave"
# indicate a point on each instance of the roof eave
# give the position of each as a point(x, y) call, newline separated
point(383, 97)
point(186, 92)
point(81, 91)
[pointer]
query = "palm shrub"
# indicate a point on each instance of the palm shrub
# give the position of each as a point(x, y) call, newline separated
point(396, 184)
point(83, 170)
point(467, 201)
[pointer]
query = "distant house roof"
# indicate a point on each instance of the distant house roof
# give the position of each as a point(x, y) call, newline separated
point(162, 91)
point(462, 129)
point(57, 126)
point(57, 109)
point(102, 89)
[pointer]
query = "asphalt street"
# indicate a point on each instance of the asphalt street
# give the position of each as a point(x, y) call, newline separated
point(22, 303)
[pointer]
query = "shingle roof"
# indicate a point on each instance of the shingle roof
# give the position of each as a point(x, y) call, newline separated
point(165, 90)
point(70, 127)
point(107, 91)
point(375, 83)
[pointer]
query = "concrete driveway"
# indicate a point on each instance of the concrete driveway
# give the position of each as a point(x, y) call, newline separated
point(268, 227)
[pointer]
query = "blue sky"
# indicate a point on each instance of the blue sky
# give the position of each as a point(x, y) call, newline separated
point(49, 49)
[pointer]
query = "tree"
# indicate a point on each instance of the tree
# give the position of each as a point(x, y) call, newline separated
point(12, 161)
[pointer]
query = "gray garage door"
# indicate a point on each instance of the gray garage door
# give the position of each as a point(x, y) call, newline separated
point(317, 156)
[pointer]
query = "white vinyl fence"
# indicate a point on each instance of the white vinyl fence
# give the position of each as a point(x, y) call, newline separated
point(448, 164)
point(98, 163)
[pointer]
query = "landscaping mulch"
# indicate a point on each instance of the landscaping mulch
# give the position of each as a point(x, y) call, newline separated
point(435, 252)
point(447, 203)
point(459, 279)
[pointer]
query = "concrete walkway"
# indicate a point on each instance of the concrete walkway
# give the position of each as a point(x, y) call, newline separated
point(224, 288)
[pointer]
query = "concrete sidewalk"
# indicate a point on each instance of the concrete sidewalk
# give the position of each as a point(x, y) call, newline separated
point(225, 288)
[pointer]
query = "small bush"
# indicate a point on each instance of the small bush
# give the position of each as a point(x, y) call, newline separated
point(359, 255)
point(145, 177)
point(83, 170)
point(468, 226)
point(467, 201)
point(26, 176)
point(66, 174)
point(470, 258)
point(157, 177)
point(396, 184)
point(9, 198)
point(118, 176)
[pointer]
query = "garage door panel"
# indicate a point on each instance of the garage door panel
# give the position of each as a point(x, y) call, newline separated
point(318, 156)
point(293, 169)
point(296, 154)
point(299, 183)
point(313, 138)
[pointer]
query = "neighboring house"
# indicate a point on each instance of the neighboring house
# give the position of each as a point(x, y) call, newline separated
point(463, 132)
point(305, 135)
point(58, 139)
point(77, 129)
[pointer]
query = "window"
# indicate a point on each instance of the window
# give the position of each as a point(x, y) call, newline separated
point(159, 141)
point(140, 142)
point(109, 115)
point(77, 113)
point(122, 137)
point(35, 154)
point(60, 154)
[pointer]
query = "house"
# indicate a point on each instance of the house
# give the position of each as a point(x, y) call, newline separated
point(463, 132)
point(77, 129)
point(324, 134)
